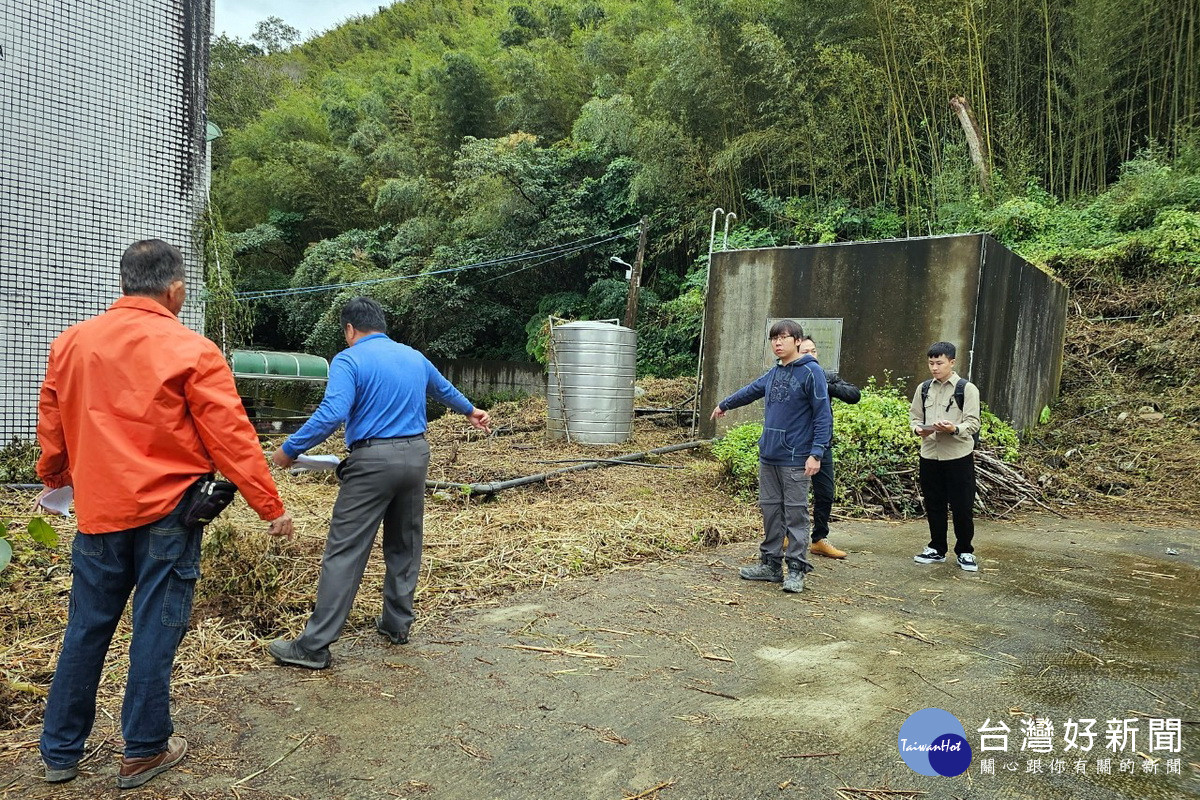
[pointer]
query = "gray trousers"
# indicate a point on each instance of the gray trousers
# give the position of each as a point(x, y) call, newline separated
point(383, 482)
point(783, 497)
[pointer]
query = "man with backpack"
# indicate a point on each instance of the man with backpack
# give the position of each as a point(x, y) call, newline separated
point(945, 414)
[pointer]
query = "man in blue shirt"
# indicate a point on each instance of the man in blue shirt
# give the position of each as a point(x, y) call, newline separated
point(376, 389)
point(797, 427)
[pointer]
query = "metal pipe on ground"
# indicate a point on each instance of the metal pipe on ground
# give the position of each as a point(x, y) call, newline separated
point(499, 486)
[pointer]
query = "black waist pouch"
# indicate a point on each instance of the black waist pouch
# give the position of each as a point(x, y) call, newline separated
point(204, 500)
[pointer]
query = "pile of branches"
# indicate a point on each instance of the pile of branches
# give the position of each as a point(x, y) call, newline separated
point(1001, 489)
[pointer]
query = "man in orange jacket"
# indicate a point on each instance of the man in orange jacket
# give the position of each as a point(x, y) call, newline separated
point(134, 409)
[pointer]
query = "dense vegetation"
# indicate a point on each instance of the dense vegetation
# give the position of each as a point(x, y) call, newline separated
point(444, 133)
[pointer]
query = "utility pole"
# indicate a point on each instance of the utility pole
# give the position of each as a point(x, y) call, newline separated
point(635, 278)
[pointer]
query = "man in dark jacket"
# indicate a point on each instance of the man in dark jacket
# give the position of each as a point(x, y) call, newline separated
point(822, 482)
point(797, 427)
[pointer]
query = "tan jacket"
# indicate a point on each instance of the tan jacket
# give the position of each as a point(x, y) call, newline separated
point(940, 406)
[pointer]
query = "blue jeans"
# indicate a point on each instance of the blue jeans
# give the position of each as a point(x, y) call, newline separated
point(159, 563)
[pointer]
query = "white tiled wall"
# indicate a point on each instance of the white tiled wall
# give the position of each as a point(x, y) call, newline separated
point(101, 144)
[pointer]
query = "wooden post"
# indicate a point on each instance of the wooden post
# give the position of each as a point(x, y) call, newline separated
point(635, 278)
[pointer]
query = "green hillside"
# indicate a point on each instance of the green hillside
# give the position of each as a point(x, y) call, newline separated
point(436, 135)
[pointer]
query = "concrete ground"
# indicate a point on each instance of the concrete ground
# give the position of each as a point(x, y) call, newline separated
point(678, 680)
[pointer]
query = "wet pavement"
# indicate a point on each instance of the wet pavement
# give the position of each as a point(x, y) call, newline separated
point(678, 680)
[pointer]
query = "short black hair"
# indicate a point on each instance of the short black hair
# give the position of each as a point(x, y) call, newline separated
point(150, 266)
point(786, 327)
point(364, 314)
point(946, 349)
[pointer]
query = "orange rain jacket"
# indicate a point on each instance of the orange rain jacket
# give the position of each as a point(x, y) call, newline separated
point(134, 408)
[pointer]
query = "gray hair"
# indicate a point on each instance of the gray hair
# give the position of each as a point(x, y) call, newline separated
point(150, 266)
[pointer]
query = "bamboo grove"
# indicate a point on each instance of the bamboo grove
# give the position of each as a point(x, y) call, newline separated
point(445, 131)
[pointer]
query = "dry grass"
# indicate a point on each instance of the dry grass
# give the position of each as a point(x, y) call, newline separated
point(1127, 426)
point(476, 550)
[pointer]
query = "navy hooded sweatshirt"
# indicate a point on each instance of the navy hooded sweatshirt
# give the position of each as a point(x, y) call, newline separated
point(798, 419)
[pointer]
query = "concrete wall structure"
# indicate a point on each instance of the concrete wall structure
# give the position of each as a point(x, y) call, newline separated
point(894, 298)
point(101, 144)
point(475, 378)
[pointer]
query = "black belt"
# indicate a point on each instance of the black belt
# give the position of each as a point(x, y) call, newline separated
point(384, 440)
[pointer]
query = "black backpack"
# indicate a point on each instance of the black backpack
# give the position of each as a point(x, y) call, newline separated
point(960, 390)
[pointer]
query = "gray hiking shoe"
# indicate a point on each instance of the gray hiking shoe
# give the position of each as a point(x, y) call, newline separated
point(288, 652)
point(61, 775)
point(795, 578)
point(767, 569)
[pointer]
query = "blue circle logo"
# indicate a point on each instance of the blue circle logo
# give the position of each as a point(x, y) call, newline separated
point(933, 742)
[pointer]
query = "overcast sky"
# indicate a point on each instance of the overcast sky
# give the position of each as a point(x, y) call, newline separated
point(237, 18)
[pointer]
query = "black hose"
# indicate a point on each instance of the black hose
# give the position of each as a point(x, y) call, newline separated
point(499, 486)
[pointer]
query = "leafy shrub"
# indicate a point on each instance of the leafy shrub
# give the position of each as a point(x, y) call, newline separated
point(18, 461)
point(874, 448)
point(738, 451)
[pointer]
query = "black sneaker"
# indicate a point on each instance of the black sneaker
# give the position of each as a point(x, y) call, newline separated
point(930, 556)
point(289, 653)
point(968, 563)
point(393, 636)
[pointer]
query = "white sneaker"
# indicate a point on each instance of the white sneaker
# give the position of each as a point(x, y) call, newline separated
point(929, 556)
point(968, 563)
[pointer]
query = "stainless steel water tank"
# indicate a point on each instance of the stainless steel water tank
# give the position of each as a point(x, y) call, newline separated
point(589, 392)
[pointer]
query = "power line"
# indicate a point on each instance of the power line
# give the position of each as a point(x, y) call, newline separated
point(547, 254)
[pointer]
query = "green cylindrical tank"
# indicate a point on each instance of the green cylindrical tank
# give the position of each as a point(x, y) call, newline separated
point(270, 364)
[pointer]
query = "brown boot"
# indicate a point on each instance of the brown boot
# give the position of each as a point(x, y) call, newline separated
point(136, 771)
point(822, 547)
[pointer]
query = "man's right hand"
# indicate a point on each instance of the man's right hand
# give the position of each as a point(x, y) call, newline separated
point(281, 526)
point(37, 503)
point(480, 419)
point(717, 412)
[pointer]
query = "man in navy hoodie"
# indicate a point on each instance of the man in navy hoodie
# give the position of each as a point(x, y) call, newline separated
point(797, 427)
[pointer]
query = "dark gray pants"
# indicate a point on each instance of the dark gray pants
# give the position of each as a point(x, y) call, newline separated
point(383, 482)
point(783, 497)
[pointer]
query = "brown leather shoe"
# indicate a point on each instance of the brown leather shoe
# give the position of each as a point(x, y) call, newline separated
point(822, 547)
point(136, 771)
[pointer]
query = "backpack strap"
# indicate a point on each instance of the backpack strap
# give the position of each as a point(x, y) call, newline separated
point(960, 393)
point(925, 397)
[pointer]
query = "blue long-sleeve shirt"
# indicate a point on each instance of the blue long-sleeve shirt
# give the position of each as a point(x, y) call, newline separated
point(797, 421)
point(376, 389)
